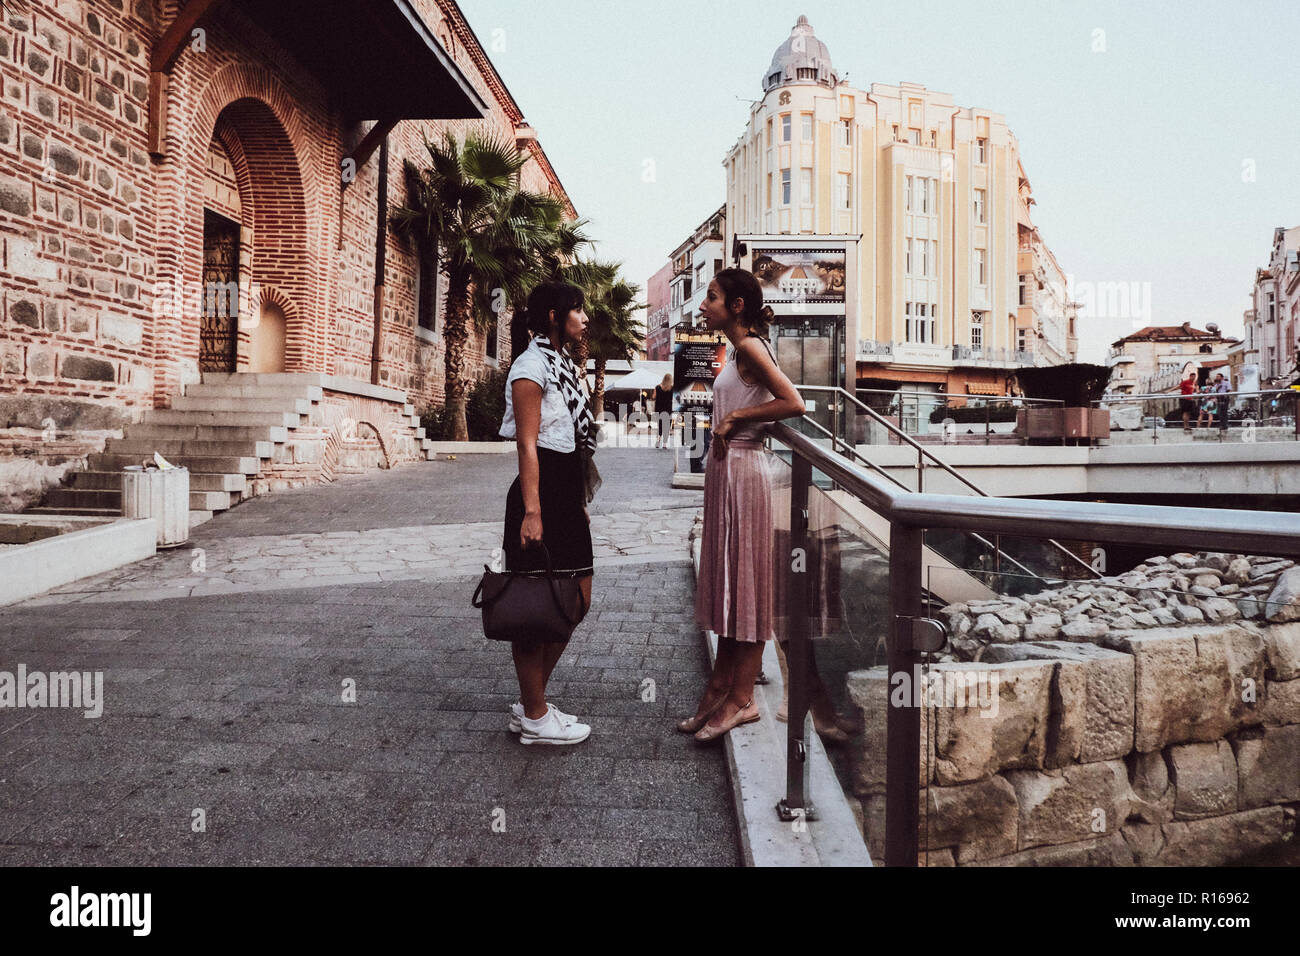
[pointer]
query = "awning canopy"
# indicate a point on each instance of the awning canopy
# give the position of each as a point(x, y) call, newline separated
point(642, 378)
point(378, 59)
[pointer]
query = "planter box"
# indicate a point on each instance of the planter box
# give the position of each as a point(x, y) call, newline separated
point(1058, 423)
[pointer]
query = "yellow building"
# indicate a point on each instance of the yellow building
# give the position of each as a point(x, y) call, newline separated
point(884, 227)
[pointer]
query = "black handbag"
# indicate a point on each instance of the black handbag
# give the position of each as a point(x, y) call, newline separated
point(529, 605)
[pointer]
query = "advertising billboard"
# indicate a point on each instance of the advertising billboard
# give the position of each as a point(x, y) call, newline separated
point(800, 275)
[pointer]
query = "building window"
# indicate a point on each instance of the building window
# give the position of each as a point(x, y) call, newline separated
point(843, 188)
point(981, 264)
point(1022, 340)
point(926, 191)
point(919, 322)
point(805, 186)
point(426, 286)
point(979, 206)
point(769, 131)
point(1175, 350)
point(908, 267)
point(785, 187)
point(925, 257)
point(717, 266)
point(977, 331)
point(934, 139)
point(914, 136)
point(1272, 308)
point(769, 189)
point(806, 121)
point(846, 132)
point(981, 151)
point(785, 127)
point(896, 139)
point(907, 194)
point(806, 73)
point(1024, 290)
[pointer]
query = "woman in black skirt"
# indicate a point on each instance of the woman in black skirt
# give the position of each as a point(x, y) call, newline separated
point(548, 416)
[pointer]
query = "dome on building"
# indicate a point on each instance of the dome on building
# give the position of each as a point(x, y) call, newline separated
point(801, 59)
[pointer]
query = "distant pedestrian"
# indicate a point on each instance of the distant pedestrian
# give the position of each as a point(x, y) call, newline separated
point(548, 415)
point(1187, 404)
point(1222, 388)
point(736, 593)
point(664, 412)
point(1207, 407)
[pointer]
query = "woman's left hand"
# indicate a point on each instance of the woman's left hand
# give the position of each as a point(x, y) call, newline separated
point(587, 514)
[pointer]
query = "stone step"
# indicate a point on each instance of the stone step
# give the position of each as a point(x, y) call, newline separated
point(419, 433)
point(170, 447)
point(192, 418)
point(86, 512)
point(263, 378)
point(111, 499)
point(199, 517)
point(236, 485)
point(197, 464)
point(191, 432)
point(313, 393)
point(203, 403)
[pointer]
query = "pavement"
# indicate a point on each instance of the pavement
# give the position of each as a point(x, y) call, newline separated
point(306, 683)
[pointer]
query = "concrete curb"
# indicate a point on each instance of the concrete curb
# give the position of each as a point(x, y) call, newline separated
point(756, 762)
point(470, 447)
point(35, 568)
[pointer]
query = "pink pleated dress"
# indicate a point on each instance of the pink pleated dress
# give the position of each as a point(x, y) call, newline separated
point(735, 591)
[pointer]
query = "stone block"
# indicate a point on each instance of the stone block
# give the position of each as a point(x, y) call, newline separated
point(88, 369)
point(977, 820)
point(1110, 850)
point(1204, 777)
point(25, 312)
point(869, 691)
point(971, 742)
point(1215, 841)
point(1152, 799)
point(120, 328)
point(1281, 703)
point(1268, 766)
point(15, 197)
point(1282, 648)
point(1081, 802)
point(24, 259)
point(1191, 685)
point(1091, 716)
point(40, 362)
point(1284, 600)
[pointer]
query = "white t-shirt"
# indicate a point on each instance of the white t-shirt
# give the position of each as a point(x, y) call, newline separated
point(556, 432)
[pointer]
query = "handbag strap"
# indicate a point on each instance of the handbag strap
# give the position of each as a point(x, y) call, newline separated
point(478, 600)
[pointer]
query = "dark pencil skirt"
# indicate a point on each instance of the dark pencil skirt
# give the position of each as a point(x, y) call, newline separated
point(565, 531)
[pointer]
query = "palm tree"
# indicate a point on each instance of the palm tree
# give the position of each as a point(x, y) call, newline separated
point(614, 331)
point(493, 238)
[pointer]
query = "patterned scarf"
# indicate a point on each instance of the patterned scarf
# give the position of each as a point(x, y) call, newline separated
point(564, 374)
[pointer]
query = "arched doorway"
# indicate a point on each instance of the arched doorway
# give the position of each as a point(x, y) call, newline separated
point(254, 235)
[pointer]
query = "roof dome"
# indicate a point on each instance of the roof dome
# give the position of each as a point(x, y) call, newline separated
point(801, 59)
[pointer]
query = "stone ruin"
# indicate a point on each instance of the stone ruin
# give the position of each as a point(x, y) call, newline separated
point(1148, 718)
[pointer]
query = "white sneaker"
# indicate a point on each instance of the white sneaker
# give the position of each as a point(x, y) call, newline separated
point(552, 730)
point(517, 714)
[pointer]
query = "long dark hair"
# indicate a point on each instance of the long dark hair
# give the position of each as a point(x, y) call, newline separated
point(547, 297)
point(739, 284)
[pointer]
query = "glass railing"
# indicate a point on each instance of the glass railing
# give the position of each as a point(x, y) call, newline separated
point(980, 714)
point(1238, 416)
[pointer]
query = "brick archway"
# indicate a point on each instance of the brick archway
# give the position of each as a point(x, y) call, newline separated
point(285, 188)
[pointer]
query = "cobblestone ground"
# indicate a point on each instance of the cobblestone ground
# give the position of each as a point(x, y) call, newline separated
point(225, 736)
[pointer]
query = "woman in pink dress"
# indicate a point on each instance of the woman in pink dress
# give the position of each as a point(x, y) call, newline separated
point(735, 593)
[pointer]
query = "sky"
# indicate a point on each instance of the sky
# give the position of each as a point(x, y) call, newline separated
point(1160, 138)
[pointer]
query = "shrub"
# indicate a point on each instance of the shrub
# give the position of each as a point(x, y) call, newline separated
point(484, 408)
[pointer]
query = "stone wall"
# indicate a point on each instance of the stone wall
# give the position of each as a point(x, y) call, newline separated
point(1118, 738)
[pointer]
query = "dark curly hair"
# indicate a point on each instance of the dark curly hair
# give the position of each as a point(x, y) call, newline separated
point(740, 284)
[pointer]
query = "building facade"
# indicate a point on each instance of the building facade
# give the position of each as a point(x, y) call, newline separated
point(1272, 322)
point(886, 227)
point(658, 340)
point(1045, 317)
point(1151, 360)
point(194, 189)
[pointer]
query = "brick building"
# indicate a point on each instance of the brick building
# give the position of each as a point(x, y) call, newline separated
point(190, 190)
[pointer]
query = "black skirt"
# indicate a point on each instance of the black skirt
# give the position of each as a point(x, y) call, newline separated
point(565, 531)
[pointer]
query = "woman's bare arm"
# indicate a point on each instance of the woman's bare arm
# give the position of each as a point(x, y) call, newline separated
point(785, 402)
point(526, 396)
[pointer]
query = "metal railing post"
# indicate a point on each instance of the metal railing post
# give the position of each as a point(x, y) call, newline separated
point(797, 800)
point(903, 723)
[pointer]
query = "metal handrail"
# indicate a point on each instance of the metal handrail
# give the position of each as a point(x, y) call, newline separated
point(922, 450)
point(909, 514)
point(985, 398)
point(978, 538)
point(1153, 396)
